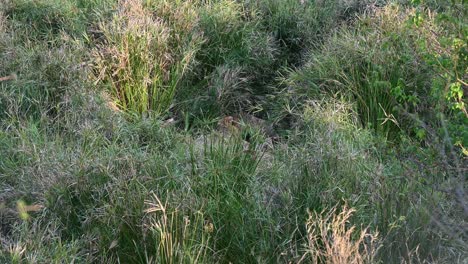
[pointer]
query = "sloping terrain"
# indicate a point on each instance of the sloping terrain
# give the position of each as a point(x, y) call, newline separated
point(223, 131)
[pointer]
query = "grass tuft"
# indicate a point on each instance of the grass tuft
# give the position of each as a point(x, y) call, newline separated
point(144, 57)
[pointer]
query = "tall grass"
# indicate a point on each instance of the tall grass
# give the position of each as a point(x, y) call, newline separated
point(378, 63)
point(143, 58)
point(235, 61)
point(45, 19)
point(80, 182)
point(181, 239)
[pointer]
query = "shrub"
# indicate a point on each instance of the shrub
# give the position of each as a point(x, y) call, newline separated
point(445, 50)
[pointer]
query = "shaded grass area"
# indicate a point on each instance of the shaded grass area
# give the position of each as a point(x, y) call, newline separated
point(232, 131)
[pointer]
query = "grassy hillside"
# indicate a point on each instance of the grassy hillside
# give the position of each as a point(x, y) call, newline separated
point(224, 131)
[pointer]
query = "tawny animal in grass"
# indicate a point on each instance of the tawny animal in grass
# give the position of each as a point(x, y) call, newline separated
point(229, 125)
point(234, 124)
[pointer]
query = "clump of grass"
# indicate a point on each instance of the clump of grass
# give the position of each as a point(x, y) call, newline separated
point(144, 57)
point(231, 88)
point(234, 36)
point(331, 239)
point(45, 19)
point(298, 26)
point(332, 159)
point(355, 62)
point(45, 76)
point(286, 20)
point(180, 239)
point(37, 244)
point(45, 79)
point(223, 178)
point(237, 59)
point(381, 63)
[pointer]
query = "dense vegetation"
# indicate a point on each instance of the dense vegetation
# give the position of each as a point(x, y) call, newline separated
point(255, 131)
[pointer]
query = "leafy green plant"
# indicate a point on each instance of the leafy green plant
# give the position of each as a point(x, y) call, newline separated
point(445, 49)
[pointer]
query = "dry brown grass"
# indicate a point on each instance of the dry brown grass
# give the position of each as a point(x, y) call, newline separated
point(332, 240)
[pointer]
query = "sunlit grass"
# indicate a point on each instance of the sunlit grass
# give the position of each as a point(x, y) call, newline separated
point(274, 131)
